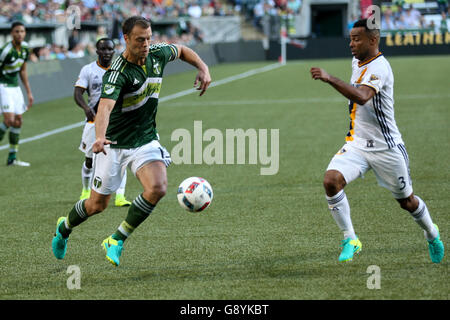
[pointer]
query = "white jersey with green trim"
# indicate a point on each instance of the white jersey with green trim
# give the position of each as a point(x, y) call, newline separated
point(372, 125)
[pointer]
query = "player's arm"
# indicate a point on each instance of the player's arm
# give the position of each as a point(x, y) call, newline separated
point(101, 124)
point(79, 100)
point(360, 95)
point(203, 78)
point(24, 77)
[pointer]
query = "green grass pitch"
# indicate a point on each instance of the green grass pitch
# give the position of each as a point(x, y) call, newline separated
point(264, 237)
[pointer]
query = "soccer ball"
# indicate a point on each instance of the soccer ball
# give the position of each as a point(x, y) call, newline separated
point(195, 194)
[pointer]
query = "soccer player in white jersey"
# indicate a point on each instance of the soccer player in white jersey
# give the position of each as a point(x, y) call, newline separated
point(90, 81)
point(373, 142)
point(13, 63)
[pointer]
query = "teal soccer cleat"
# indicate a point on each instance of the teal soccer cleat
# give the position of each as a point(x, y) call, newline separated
point(349, 248)
point(113, 250)
point(436, 248)
point(59, 243)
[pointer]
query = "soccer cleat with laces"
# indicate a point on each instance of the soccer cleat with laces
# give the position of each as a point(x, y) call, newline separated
point(436, 248)
point(16, 162)
point(121, 201)
point(113, 250)
point(85, 194)
point(59, 243)
point(349, 248)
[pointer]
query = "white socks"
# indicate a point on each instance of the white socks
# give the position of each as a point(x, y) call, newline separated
point(340, 210)
point(86, 177)
point(121, 189)
point(423, 219)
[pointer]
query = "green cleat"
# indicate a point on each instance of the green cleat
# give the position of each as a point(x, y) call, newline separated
point(59, 243)
point(85, 194)
point(113, 250)
point(349, 248)
point(436, 248)
point(121, 201)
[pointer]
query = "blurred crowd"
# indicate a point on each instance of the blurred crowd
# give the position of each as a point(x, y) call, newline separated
point(34, 11)
point(274, 8)
point(399, 18)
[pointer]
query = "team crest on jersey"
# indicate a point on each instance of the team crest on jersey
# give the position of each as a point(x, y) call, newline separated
point(374, 79)
point(109, 88)
point(156, 67)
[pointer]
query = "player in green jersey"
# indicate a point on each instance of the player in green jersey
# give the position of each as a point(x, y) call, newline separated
point(126, 134)
point(13, 63)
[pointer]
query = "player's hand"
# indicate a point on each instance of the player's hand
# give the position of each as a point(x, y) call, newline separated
point(320, 74)
point(90, 115)
point(202, 80)
point(99, 145)
point(30, 100)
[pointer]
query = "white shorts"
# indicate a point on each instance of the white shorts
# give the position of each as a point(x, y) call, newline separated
point(88, 139)
point(11, 100)
point(391, 167)
point(110, 168)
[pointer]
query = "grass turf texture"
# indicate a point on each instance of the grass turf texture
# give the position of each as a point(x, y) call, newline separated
point(264, 237)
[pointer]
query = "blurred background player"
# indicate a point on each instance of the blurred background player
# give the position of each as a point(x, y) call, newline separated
point(373, 142)
point(90, 80)
point(13, 62)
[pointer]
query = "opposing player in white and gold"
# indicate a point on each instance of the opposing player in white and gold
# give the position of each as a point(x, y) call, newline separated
point(90, 81)
point(373, 142)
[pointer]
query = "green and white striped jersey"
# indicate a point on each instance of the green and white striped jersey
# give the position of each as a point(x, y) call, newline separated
point(11, 61)
point(136, 91)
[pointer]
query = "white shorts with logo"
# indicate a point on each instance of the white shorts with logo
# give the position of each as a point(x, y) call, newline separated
point(88, 139)
point(110, 168)
point(391, 167)
point(11, 100)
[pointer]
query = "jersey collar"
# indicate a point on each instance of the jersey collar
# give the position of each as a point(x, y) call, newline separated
point(98, 64)
point(363, 63)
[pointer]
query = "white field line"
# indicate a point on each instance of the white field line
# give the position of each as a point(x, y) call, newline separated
point(163, 99)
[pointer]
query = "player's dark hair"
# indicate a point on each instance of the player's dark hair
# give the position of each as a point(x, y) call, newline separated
point(17, 23)
point(103, 39)
point(371, 31)
point(129, 24)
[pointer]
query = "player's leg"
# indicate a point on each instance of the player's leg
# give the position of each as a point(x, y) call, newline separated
point(391, 169)
point(120, 200)
point(86, 178)
point(107, 177)
point(149, 164)
point(87, 140)
point(346, 166)
point(8, 120)
point(18, 107)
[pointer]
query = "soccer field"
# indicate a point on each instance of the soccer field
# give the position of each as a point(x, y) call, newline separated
point(264, 236)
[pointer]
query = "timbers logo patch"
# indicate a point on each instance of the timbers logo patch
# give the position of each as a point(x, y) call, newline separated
point(108, 89)
point(97, 182)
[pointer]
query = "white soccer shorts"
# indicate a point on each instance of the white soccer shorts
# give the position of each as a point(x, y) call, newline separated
point(110, 168)
point(391, 167)
point(88, 139)
point(11, 100)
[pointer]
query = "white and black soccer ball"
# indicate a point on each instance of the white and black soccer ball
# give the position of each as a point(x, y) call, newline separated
point(195, 194)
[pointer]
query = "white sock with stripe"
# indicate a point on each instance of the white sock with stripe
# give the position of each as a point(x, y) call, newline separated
point(340, 210)
point(423, 219)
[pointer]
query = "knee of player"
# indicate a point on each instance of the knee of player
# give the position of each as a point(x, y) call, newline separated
point(333, 181)
point(94, 207)
point(158, 190)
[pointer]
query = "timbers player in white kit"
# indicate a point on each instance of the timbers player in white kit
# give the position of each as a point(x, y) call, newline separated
point(13, 63)
point(90, 81)
point(373, 142)
point(126, 134)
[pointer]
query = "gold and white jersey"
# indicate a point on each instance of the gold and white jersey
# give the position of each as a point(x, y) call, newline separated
point(90, 78)
point(372, 125)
